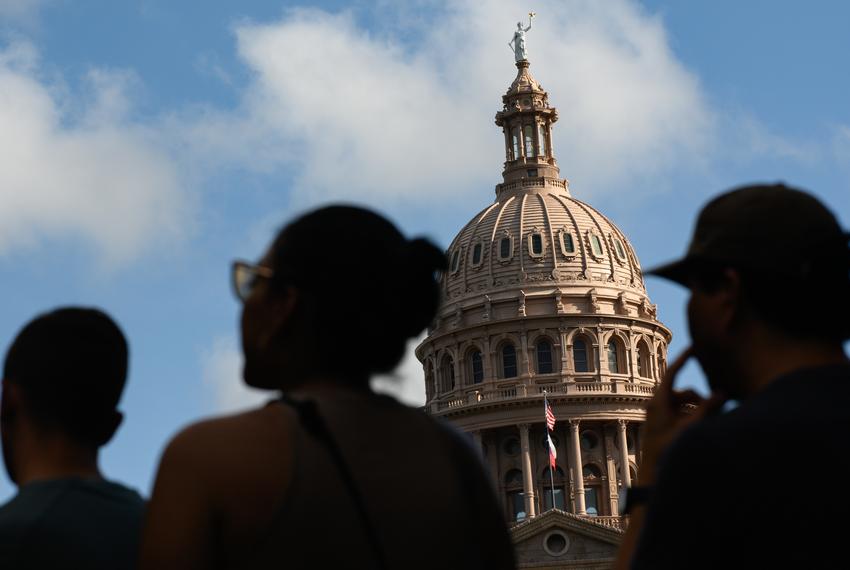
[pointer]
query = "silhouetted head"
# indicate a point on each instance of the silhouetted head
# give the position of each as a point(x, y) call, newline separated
point(765, 254)
point(64, 375)
point(338, 295)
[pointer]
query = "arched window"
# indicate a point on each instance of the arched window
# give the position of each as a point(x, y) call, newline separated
point(541, 136)
point(535, 244)
point(568, 246)
point(455, 260)
point(514, 495)
point(476, 253)
point(447, 373)
point(529, 141)
point(619, 249)
point(515, 141)
point(596, 245)
point(546, 488)
point(544, 357)
point(580, 360)
point(477, 366)
point(613, 357)
point(509, 361)
point(505, 248)
point(592, 484)
point(643, 361)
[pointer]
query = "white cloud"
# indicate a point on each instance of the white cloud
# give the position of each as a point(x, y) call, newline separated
point(20, 9)
point(221, 366)
point(407, 382)
point(841, 144)
point(82, 171)
point(360, 114)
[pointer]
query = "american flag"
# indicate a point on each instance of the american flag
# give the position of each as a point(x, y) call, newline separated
point(550, 415)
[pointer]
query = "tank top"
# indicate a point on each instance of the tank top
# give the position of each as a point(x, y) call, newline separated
point(427, 501)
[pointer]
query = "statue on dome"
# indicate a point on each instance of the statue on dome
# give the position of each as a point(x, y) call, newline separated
point(518, 41)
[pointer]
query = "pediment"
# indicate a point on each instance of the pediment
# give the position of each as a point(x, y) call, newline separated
point(564, 540)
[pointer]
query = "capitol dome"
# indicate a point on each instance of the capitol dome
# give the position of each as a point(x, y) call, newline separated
point(544, 300)
point(536, 234)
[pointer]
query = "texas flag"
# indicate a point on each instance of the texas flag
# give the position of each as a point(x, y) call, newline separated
point(553, 453)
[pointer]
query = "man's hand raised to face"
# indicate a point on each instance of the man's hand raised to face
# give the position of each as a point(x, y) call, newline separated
point(670, 412)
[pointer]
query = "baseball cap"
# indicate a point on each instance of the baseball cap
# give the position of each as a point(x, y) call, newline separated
point(773, 228)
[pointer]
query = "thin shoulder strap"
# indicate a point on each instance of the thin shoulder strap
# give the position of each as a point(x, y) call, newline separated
point(311, 420)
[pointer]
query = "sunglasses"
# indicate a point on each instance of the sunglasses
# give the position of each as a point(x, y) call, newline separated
point(245, 277)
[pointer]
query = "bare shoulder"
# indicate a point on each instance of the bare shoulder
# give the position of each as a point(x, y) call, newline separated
point(218, 439)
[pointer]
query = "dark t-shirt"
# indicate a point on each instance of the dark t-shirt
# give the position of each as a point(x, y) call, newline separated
point(762, 486)
point(71, 523)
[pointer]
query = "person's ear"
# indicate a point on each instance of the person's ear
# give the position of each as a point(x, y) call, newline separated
point(729, 300)
point(281, 308)
point(10, 403)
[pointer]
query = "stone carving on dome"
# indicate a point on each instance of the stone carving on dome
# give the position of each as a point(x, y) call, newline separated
point(559, 302)
point(593, 301)
point(648, 310)
point(521, 307)
point(622, 304)
point(458, 318)
point(487, 308)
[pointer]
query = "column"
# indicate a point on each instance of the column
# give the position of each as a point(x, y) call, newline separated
point(509, 150)
point(527, 475)
point(487, 361)
point(524, 364)
point(563, 337)
point(577, 470)
point(521, 141)
point(623, 442)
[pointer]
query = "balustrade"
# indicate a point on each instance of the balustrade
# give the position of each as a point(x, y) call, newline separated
point(483, 395)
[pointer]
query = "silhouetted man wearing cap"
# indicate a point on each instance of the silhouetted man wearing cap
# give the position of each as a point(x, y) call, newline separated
point(765, 484)
point(62, 380)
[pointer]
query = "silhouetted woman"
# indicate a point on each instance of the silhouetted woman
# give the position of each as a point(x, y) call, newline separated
point(330, 475)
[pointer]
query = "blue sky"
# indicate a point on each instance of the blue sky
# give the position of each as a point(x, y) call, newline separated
point(146, 144)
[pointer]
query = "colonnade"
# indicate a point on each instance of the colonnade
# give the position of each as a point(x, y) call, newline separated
point(574, 460)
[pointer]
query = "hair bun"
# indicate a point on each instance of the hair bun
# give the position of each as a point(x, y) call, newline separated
point(419, 259)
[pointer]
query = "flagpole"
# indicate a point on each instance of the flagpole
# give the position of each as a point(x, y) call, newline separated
point(549, 438)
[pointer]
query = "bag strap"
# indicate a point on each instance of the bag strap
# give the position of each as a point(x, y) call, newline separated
point(311, 420)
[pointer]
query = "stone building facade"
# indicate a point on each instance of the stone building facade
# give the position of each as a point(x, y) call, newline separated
point(545, 295)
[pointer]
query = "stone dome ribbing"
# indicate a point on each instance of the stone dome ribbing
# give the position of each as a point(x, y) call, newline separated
point(568, 258)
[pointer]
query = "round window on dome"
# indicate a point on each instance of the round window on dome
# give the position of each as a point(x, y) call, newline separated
point(619, 249)
point(568, 244)
point(535, 244)
point(455, 261)
point(505, 248)
point(477, 254)
point(595, 244)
